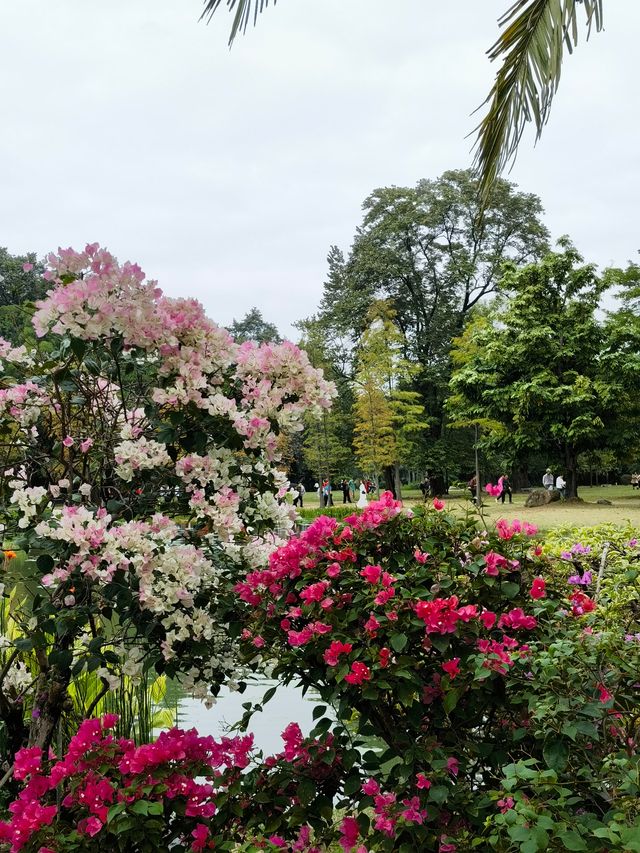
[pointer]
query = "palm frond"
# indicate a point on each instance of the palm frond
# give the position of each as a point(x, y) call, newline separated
point(244, 11)
point(531, 48)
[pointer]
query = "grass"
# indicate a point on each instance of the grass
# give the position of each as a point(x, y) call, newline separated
point(625, 507)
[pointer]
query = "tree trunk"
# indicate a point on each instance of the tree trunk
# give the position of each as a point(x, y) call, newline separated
point(50, 698)
point(398, 482)
point(571, 465)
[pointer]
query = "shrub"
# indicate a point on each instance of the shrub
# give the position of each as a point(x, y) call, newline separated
point(486, 707)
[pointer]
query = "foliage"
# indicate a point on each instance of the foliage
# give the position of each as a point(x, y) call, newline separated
point(253, 327)
point(488, 703)
point(531, 49)
point(542, 373)
point(140, 411)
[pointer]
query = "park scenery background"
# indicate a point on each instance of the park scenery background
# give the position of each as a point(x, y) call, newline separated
point(374, 590)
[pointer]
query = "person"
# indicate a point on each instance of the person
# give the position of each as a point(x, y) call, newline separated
point(635, 481)
point(561, 485)
point(472, 486)
point(424, 487)
point(547, 479)
point(362, 500)
point(346, 497)
point(368, 486)
point(352, 489)
point(326, 493)
point(299, 500)
point(506, 488)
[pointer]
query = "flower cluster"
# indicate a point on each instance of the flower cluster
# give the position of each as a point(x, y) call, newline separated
point(102, 784)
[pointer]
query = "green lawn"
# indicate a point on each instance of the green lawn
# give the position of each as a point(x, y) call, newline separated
point(625, 507)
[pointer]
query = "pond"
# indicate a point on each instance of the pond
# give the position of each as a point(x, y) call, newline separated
point(287, 706)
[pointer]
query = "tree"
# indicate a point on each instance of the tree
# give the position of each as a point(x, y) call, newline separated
point(388, 415)
point(253, 327)
point(541, 374)
point(531, 49)
point(425, 252)
point(21, 283)
point(138, 411)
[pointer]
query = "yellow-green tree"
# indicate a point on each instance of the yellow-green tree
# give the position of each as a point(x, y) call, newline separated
point(388, 416)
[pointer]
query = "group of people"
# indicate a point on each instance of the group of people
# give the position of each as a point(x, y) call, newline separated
point(349, 490)
point(559, 484)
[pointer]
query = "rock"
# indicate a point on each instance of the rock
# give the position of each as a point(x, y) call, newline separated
point(542, 497)
point(604, 502)
point(538, 497)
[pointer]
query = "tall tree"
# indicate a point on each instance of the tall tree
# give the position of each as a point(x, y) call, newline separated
point(531, 48)
point(427, 254)
point(389, 415)
point(21, 283)
point(253, 327)
point(542, 374)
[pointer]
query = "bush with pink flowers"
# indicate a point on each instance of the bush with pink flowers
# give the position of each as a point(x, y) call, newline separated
point(490, 705)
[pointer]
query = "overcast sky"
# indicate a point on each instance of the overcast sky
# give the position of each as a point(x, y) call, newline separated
point(228, 174)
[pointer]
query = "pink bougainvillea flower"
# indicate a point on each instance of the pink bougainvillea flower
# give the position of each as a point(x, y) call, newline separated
point(412, 812)
point(603, 694)
point(488, 619)
point(517, 618)
point(371, 574)
point(506, 804)
point(493, 491)
point(445, 846)
point(452, 667)
point(453, 766)
point(581, 604)
point(371, 625)
point(494, 562)
point(27, 267)
point(350, 832)
point(385, 655)
point(200, 835)
point(333, 570)
point(360, 673)
point(68, 441)
point(422, 781)
point(371, 788)
point(420, 556)
point(538, 588)
point(337, 648)
point(438, 504)
point(581, 580)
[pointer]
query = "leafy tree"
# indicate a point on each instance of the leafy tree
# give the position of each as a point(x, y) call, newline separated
point(18, 288)
point(542, 374)
point(253, 327)
point(388, 415)
point(531, 48)
point(327, 442)
point(425, 252)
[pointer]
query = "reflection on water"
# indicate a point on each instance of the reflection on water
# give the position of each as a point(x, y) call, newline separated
point(287, 706)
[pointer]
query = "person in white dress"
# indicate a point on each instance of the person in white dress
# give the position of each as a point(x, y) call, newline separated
point(363, 500)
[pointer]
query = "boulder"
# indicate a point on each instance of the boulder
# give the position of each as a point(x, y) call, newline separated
point(538, 497)
point(542, 497)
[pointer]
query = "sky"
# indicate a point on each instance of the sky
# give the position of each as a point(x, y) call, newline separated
point(228, 174)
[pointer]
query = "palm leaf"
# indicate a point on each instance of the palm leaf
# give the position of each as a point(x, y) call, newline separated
point(243, 13)
point(531, 48)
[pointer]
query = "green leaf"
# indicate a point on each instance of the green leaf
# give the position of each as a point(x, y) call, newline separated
point(61, 658)
point(398, 642)
point(318, 711)
point(78, 348)
point(573, 841)
point(306, 791)
point(556, 754)
point(451, 700)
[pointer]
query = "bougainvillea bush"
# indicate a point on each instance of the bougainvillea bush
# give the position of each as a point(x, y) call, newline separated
point(139, 470)
point(489, 702)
